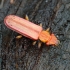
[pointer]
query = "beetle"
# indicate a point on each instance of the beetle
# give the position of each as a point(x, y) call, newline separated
point(30, 30)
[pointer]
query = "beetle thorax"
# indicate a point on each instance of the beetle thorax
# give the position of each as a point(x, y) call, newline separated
point(44, 36)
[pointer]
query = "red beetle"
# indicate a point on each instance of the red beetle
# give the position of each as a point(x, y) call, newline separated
point(30, 30)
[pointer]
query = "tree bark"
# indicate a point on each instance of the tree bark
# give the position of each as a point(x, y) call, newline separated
point(21, 54)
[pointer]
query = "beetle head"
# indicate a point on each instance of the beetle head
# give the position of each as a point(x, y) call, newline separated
point(49, 39)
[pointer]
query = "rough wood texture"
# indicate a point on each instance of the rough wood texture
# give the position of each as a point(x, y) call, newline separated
point(21, 54)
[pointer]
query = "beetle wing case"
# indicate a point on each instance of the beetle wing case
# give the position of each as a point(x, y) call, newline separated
point(22, 26)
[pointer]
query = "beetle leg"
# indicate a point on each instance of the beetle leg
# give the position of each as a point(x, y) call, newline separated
point(26, 17)
point(19, 36)
point(34, 43)
point(39, 44)
point(41, 24)
point(48, 29)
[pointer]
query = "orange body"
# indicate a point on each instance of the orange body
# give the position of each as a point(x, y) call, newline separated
point(29, 29)
point(23, 27)
point(48, 38)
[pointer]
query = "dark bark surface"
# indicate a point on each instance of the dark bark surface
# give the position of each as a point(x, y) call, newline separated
point(21, 54)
